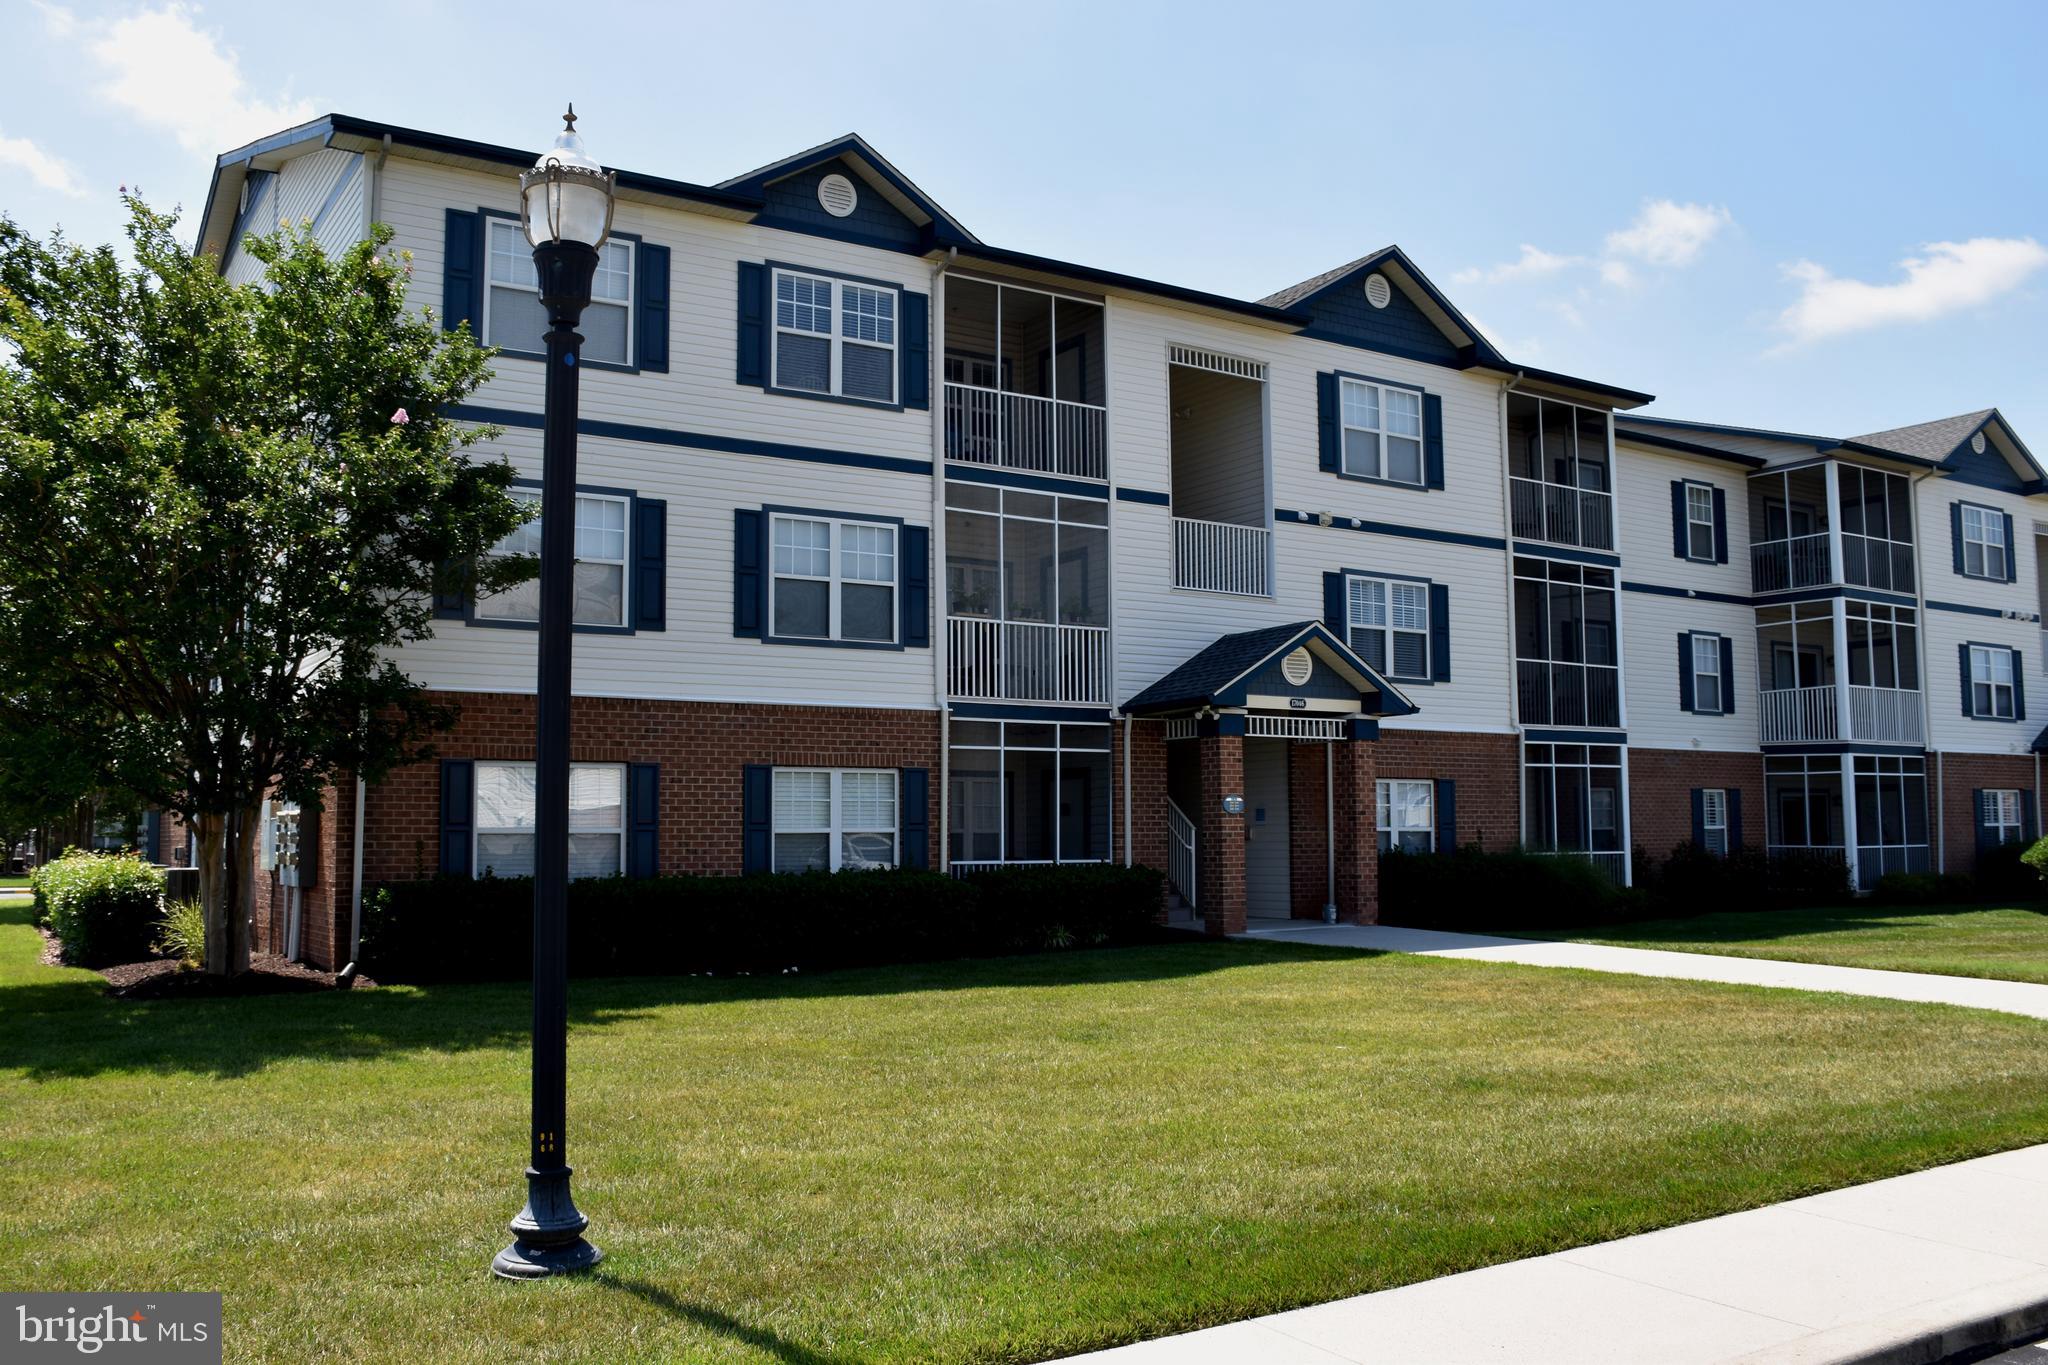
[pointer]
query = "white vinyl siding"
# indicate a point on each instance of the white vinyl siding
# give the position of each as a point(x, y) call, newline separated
point(504, 819)
point(600, 571)
point(1406, 816)
point(829, 820)
point(832, 580)
point(1382, 431)
point(835, 337)
point(514, 318)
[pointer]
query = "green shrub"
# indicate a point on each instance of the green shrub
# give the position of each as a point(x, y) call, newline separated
point(1470, 889)
point(455, 928)
point(103, 907)
point(181, 933)
point(2037, 858)
point(2003, 871)
point(1922, 888)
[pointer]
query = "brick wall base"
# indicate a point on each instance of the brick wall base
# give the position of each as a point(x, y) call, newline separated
point(1487, 769)
point(1660, 787)
point(1961, 776)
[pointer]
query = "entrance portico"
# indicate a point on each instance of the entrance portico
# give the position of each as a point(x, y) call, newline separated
point(1269, 784)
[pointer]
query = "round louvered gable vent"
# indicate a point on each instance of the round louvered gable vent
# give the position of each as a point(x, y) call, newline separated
point(1378, 292)
point(1977, 443)
point(837, 196)
point(1297, 666)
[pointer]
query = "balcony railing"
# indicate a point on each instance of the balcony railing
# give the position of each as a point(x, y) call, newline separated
point(1023, 431)
point(1885, 715)
point(1568, 694)
point(1180, 852)
point(1219, 556)
point(1614, 865)
point(1026, 661)
point(1800, 715)
point(1812, 715)
point(1780, 565)
point(1561, 514)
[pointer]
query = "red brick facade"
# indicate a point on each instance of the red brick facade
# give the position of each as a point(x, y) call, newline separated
point(1219, 835)
point(1961, 777)
point(1147, 808)
point(1487, 769)
point(1660, 787)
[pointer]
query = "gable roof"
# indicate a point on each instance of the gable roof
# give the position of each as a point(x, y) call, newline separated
point(1209, 677)
point(1939, 444)
point(919, 207)
point(1927, 440)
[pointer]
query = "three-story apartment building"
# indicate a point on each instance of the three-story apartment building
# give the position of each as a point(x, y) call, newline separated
point(896, 547)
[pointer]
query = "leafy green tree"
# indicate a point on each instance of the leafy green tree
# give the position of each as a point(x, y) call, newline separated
point(221, 508)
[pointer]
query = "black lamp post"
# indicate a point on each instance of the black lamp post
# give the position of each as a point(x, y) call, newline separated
point(566, 209)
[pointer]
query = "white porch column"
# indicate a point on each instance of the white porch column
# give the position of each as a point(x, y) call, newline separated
point(1848, 762)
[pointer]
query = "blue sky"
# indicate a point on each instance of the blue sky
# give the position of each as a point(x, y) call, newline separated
point(1828, 218)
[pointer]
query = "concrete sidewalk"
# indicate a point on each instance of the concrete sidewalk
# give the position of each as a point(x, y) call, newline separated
point(2011, 997)
point(1904, 1271)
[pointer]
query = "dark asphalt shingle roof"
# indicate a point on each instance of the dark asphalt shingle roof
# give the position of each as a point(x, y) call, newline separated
point(1214, 668)
point(1927, 440)
point(1295, 293)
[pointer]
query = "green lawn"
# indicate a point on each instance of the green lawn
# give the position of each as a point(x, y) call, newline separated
point(1953, 940)
point(982, 1161)
point(13, 883)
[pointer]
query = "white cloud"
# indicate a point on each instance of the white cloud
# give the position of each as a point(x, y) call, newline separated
point(159, 65)
point(46, 170)
point(1533, 263)
point(1667, 233)
point(1946, 277)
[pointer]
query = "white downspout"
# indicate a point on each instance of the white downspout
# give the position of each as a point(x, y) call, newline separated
point(941, 627)
point(355, 883)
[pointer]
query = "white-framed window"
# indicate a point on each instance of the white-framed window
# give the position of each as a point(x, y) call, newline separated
point(835, 337)
point(1382, 431)
point(1406, 815)
point(1028, 792)
point(1699, 522)
point(513, 315)
point(1984, 547)
point(1708, 686)
point(504, 819)
point(600, 572)
point(832, 579)
point(830, 819)
point(1714, 819)
point(1991, 682)
point(2000, 816)
point(1390, 624)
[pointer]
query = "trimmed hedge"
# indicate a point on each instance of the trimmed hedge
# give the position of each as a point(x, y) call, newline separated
point(458, 929)
point(104, 908)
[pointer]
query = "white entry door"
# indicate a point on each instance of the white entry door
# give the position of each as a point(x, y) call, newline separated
point(1267, 871)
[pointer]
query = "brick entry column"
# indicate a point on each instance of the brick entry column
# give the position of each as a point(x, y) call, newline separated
point(1358, 858)
point(1219, 836)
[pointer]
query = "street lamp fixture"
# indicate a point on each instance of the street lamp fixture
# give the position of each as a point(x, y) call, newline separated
point(565, 206)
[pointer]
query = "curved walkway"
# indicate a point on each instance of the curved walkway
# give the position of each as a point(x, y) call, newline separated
point(2011, 997)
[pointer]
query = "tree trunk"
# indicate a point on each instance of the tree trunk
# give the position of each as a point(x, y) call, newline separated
point(227, 886)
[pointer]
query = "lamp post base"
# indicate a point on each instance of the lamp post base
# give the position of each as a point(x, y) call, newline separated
point(547, 1233)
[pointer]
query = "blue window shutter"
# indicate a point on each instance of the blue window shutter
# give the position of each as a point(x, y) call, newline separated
point(915, 352)
point(1684, 672)
point(749, 572)
point(1963, 652)
point(2019, 688)
point(914, 592)
point(458, 817)
point(914, 792)
point(450, 602)
point(1727, 676)
point(1336, 611)
point(751, 365)
point(1432, 441)
point(2029, 831)
point(1329, 447)
point(1720, 526)
point(462, 276)
point(650, 564)
point(1446, 815)
point(1699, 817)
point(2012, 553)
point(1439, 633)
point(153, 836)
point(1955, 533)
point(643, 819)
point(1734, 818)
point(757, 803)
point(1977, 820)
point(650, 308)
point(1679, 545)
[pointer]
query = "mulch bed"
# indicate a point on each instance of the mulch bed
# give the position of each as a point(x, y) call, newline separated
point(268, 974)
